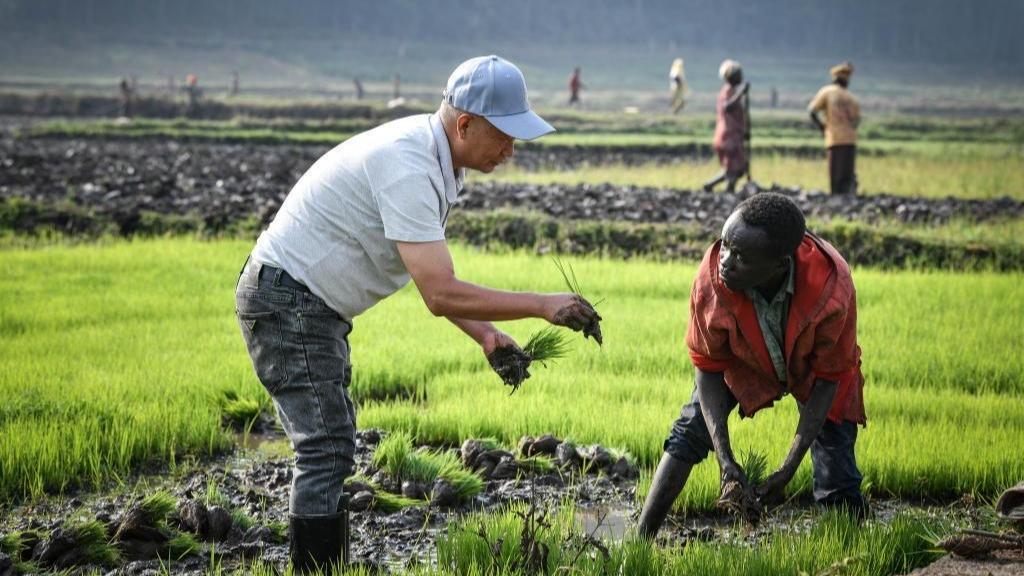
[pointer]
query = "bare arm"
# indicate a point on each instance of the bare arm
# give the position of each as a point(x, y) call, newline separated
point(812, 417)
point(483, 333)
point(738, 96)
point(431, 268)
point(714, 405)
point(817, 121)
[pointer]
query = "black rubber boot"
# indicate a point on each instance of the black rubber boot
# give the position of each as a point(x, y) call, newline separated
point(319, 543)
point(668, 482)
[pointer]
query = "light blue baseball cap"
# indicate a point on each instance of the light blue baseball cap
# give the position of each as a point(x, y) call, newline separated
point(494, 88)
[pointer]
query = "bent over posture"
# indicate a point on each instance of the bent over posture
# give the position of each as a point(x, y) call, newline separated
point(772, 312)
point(364, 219)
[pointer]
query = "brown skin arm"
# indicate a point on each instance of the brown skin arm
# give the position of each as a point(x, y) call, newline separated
point(431, 268)
point(484, 333)
point(738, 96)
point(813, 414)
point(714, 405)
point(817, 121)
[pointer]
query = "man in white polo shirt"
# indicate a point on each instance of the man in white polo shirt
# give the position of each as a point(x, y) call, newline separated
point(364, 219)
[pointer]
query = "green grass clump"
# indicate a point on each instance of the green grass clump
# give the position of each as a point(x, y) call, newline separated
point(396, 456)
point(547, 344)
point(214, 497)
point(182, 545)
point(755, 466)
point(240, 413)
point(540, 464)
point(90, 537)
point(390, 503)
point(76, 414)
point(834, 544)
point(158, 506)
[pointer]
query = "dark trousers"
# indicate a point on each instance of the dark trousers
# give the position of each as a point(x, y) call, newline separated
point(836, 477)
point(842, 168)
point(299, 349)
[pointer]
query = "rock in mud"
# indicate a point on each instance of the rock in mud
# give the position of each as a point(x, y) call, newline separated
point(220, 523)
point(141, 549)
point(353, 487)
point(567, 455)
point(1011, 505)
point(546, 445)
point(60, 550)
point(525, 446)
point(193, 517)
point(470, 451)
point(6, 565)
point(623, 470)
point(443, 494)
point(360, 501)
point(595, 456)
point(135, 525)
point(368, 436)
point(414, 489)
point(488, 461)
point(505, 469)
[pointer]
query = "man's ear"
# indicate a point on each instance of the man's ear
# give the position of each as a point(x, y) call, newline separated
point(462, 124)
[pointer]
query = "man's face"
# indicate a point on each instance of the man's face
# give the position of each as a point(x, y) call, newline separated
point(484, 146)
point(745, 259)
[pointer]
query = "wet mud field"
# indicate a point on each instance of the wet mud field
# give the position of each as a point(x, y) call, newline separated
point(223, 183)
point(227, 183)
point(253, 482)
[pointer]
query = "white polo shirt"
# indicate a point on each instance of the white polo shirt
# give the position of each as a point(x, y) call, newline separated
point(337, 228)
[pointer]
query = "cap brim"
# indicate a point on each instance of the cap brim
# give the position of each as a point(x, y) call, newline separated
point(523, 126)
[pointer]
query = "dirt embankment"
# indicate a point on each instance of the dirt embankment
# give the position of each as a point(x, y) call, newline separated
point(223, 183)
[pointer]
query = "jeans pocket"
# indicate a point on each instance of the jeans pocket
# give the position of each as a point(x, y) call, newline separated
point(262, 333)
point(324, 347)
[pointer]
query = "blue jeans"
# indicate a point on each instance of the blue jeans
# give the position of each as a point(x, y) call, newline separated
point(299, 349)
point(836, 477)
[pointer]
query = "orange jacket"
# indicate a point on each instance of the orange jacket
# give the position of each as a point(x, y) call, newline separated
point(821, 334)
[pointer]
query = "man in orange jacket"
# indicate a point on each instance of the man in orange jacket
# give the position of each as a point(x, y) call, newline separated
point(773, 311)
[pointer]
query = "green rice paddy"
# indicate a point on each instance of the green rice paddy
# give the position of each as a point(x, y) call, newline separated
point(120, 353)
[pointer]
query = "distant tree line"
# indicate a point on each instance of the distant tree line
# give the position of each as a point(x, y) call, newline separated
point(983, 32)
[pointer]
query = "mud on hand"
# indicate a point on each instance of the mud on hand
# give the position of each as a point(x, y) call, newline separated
point(581, 316)
point(511, 364)
point(740, 501)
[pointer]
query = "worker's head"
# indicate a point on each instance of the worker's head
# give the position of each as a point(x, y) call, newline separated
point(485, 109)
point(841, 73)
point(731, 71)
point(759, 240)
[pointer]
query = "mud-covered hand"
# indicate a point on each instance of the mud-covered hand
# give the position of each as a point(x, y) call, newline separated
point(497, 339)
point(772, 491)
point(737, 496)
point(574, 312)
point(508, 360)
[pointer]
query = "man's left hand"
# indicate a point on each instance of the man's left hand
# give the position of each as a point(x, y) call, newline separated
point(497, 339)
point(772, 491)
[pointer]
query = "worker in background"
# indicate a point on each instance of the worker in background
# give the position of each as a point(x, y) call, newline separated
point(730, 127)
point(677, 79)
point(842, 117)
point(575, 84)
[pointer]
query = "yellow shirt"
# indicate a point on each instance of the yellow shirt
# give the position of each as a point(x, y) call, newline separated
point(842, 114)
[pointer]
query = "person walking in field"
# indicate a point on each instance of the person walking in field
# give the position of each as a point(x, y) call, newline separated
point(367, 217)
point(773, 312)
point(842, 117)
point(575, 85)
point(730, 127)
point(677, 84)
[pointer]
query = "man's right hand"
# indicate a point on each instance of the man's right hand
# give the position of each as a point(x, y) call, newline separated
point(574, 312)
